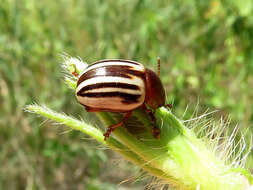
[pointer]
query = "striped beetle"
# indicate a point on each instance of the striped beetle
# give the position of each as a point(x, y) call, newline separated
point(116, 85)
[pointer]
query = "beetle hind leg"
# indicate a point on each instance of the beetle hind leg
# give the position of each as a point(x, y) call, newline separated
point(115, 126)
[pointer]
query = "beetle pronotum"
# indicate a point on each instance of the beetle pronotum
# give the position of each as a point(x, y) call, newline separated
point(116, 85)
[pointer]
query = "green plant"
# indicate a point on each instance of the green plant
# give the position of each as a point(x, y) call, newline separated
point(180, 158)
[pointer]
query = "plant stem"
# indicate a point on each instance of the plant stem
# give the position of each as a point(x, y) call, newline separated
point(96, 134)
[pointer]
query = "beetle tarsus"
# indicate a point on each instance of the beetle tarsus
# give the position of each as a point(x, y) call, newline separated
point(75, 73)
point(168, 106)
point(156, 132)
point(107, 133)
point(115, 126)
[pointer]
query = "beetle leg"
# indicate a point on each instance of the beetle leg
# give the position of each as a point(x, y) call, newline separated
point(75, 73)
point(151, 115)
point(155, 130)
point(168, 106)
point(113, 127)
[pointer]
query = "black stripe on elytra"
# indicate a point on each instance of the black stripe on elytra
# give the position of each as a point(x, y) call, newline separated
point(110, 84)
point(114, 60)
point(111, 70)
point(127, 98)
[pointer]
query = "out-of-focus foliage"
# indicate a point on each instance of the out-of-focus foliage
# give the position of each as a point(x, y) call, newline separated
point(207, 58)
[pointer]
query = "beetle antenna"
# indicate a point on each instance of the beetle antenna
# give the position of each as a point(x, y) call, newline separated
point(158, 66)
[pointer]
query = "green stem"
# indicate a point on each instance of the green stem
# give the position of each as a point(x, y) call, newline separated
point(96, 134)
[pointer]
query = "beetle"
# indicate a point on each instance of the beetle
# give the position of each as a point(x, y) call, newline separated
point(117, 85)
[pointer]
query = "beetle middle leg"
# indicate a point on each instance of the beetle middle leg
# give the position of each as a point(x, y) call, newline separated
point(155, 130)
point(113, 127)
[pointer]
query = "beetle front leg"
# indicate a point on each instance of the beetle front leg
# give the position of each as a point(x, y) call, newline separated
point(168, 106)
point(75, 73)
point(113, 127)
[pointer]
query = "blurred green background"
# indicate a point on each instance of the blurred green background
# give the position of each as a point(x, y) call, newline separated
point(207, 59)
